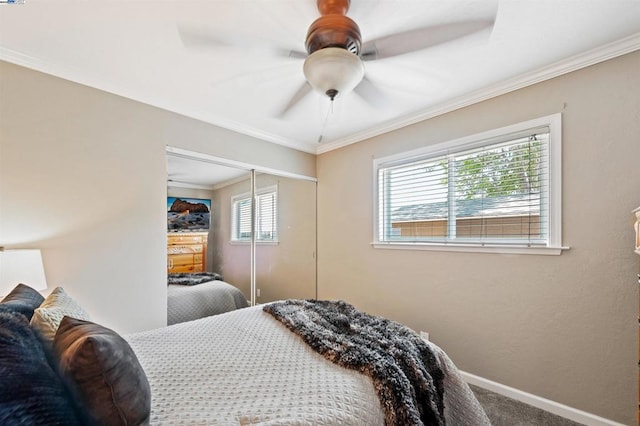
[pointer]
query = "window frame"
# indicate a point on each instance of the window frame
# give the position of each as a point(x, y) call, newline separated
point(273, 189)
point(554, 240)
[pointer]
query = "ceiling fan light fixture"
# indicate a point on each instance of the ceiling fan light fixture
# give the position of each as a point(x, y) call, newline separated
point(333, 71)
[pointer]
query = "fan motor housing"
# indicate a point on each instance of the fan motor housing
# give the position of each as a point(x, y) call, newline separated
point(334, 30)
point(328, 7)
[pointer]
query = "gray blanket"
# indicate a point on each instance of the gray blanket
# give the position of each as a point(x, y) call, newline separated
point(405, 372)
point(192, 278)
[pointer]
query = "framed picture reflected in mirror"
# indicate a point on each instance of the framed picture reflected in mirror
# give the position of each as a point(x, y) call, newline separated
point(188, 214)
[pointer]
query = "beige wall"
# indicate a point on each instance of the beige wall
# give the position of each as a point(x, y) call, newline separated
point(233, 261)
point(562, 327)
point(83, 176)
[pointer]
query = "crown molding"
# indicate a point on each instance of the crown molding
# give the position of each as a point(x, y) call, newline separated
point(192, 155)
point(177, 184)
point(76, 76)
point(609, 51)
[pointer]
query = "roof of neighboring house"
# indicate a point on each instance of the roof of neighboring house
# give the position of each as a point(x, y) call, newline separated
point(514, 205)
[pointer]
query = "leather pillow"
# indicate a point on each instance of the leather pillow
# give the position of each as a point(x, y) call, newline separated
point(102, 372)
point(23, 299)
point(31, 393)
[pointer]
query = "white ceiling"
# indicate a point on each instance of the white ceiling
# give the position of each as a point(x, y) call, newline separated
point(188, 172)
point(133, 48)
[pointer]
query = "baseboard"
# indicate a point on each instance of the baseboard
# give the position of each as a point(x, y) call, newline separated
point(539, 402)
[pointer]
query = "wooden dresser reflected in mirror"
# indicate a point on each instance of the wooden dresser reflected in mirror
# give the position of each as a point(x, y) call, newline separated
point(186, 252)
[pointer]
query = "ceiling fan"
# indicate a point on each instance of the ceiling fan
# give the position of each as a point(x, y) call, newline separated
point(335, 51)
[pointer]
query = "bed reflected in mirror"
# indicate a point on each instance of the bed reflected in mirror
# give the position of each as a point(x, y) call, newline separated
point(197, 285)
point(209, 271)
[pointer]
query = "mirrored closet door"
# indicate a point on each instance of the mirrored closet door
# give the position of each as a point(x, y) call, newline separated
point(277, 260)
point(285, 260)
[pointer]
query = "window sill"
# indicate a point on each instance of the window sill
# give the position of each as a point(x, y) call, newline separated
point(260, 243)
point(472, 248)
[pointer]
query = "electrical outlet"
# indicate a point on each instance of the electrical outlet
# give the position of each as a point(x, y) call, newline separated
point(424, 336)
point(257, 292)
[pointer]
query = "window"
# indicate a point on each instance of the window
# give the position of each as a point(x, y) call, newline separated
point(496, 191)
point(266, 216)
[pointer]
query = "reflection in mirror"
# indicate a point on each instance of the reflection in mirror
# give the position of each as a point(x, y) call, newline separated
point(203, 278)
point(285, 257)
point(285, 238)
point(231, 258)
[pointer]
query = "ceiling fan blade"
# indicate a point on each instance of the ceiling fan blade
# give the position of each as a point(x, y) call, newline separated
point(371, 94)
point(297, 54)
point(195, 39)
point(421, 38)
point(302, 91)
point(251, 79)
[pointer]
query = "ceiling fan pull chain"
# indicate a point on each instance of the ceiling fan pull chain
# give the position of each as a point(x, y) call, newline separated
point(326, 119)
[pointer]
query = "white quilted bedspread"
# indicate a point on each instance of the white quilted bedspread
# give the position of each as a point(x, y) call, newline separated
point(244, 367)
point(189, 302)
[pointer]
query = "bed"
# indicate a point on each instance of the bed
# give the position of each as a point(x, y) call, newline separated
point(242, 367)
point(198, 295)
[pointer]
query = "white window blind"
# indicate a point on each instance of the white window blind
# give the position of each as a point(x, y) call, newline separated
point(266, 216)
point(476, 193)
point(242, 219)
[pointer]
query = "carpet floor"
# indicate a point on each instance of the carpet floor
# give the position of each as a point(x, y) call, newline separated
point(503, 411)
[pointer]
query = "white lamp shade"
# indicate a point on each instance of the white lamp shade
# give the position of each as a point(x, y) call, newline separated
point(333, 68)
point(21, 267)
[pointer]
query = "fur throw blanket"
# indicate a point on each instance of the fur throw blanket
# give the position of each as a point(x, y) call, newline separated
point(405, 372)
point(192, 278)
